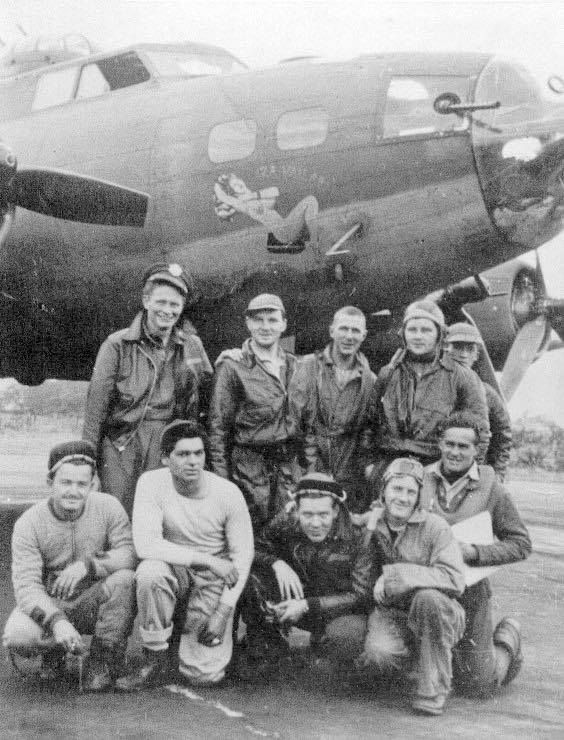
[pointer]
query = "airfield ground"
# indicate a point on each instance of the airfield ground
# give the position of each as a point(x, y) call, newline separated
point(306, 705)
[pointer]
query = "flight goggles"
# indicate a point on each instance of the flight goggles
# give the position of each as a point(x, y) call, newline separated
point(315, 486)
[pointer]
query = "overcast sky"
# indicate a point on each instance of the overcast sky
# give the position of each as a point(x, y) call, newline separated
point(264, 31)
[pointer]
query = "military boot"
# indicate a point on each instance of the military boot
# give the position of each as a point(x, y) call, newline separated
point(98, 672)
point(507, 634)
point(152, 672)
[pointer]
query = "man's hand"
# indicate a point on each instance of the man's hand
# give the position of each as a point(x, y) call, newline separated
point(213, 632)
point(68, 579)
point(288, 581)
point(469, 552)
point(65, 634)
point(379, 593)
point(291, 611)
point(224, 569)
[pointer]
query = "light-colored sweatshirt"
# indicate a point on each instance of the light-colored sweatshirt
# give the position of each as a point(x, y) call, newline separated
point(170, 527)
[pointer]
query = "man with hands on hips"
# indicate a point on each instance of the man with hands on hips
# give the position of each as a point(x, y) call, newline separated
point(192, 531)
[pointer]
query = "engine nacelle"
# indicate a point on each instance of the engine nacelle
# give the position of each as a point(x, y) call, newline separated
point(517, 291)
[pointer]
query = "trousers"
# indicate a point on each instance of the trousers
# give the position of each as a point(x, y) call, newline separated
point(120, 468)
point(479, 665)
point(340, 637)
point(106, 609)
point(423, 633)
point(160, 587)
point(265, 476)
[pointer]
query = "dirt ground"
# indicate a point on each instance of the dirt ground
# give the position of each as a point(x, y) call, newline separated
point(304, 704)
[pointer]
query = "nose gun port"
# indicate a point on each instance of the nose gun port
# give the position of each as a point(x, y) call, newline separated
point(519, 151)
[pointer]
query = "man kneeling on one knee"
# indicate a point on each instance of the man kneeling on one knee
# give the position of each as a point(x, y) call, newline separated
point(193, 532)
point(457, 488)
point(312, 569)
point(73, 569)
point(417, 620)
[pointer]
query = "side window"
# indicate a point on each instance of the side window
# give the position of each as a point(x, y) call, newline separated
point(300, 129)
point(232, 140)
point(113, 73)
point(54, 88)
point(92, 82)
point(409, 106)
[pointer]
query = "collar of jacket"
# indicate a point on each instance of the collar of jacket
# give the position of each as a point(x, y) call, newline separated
point(416, 517)
point(135, 331)
point(445, 361)
point(360, 361)
point(472, 474)
point(249, 356)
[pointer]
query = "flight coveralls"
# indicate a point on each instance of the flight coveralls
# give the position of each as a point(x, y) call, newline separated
point(137, 388)
point(409, 408)
point(251, 433)
point(499, 448)
point(421, 621)
point(336, 578)
point(334, 421)
point(476, 668)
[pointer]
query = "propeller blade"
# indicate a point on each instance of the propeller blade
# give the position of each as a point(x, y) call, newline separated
point(77, 198)
point(523, 351)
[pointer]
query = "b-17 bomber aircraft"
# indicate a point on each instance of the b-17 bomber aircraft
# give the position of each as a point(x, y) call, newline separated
point(372, 181)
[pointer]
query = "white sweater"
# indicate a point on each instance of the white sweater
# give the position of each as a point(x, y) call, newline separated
point(168, 526)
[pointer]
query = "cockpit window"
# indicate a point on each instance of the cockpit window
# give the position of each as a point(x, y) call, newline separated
point(54, 88)
point(409, 105)
point(92, 82)
point(96, 78)
point(195, 64)
point(112, 73)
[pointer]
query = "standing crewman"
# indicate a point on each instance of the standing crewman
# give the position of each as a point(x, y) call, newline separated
point(144, 377)
point(251, 432)
point(457, 488)
point(330, 396)
point(463, 342)
point(419, 389)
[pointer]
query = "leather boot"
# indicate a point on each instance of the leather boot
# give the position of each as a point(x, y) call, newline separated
point(507, 634)
point(152, 672)
point(98, 669)
point(53, 665)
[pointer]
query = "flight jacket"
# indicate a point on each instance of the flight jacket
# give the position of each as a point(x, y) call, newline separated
point(512, 541)
point(423, 555)
point(336, 574)
point(249, 407)
point(125, 376)
point(408, 411)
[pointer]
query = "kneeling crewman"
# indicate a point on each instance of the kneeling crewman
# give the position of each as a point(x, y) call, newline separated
point(457, 488)
point(73, 569)
point(311, 569)
point(193, 532)
point(417, 620)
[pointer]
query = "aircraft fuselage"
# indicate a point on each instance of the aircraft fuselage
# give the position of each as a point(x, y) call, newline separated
point(255, 178)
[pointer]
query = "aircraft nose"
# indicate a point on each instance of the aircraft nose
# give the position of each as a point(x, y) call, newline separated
point(519, 150)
